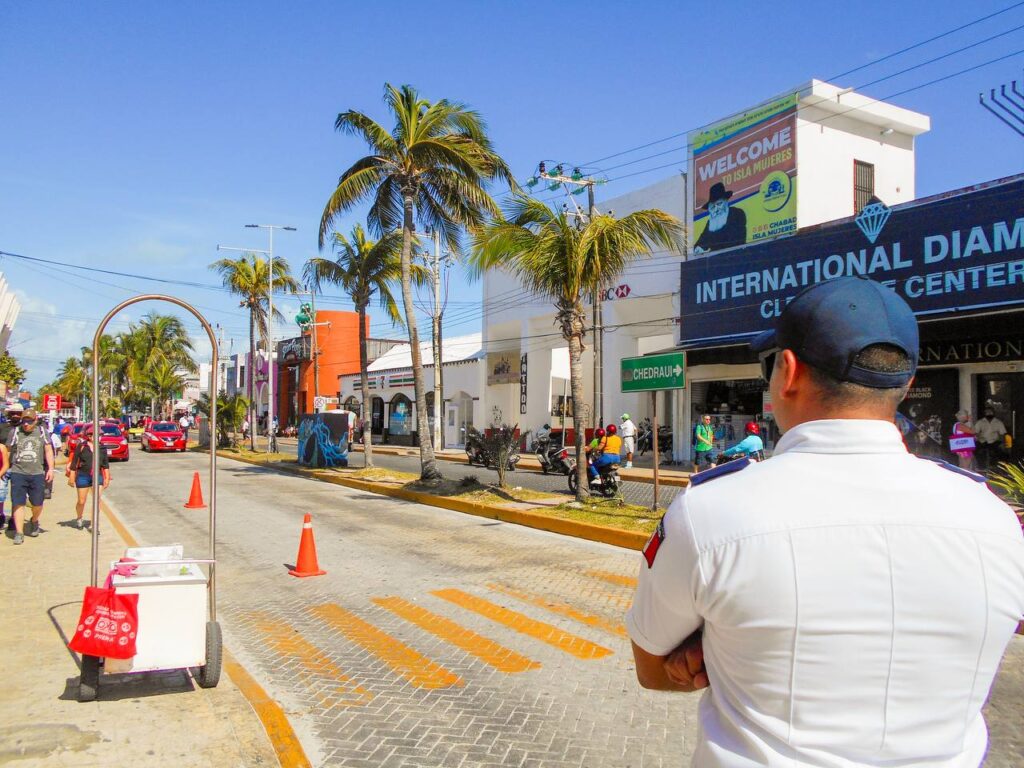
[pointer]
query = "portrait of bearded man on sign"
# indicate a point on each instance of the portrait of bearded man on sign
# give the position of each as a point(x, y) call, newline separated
point(726, 226)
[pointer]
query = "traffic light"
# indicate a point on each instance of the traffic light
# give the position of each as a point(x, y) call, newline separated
point(305, 316)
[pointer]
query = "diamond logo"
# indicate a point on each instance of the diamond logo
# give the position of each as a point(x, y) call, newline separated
point(872, 218)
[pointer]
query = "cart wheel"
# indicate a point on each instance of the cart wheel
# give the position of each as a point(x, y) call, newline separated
point(209, 675)
point(89, 682)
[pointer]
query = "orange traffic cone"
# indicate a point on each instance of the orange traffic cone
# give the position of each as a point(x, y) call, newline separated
point(195, 499)
point(305, 563)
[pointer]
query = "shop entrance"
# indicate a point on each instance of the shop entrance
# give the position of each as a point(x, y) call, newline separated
point(1004, 393)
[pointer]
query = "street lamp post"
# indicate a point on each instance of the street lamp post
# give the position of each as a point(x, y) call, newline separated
point(272, 442)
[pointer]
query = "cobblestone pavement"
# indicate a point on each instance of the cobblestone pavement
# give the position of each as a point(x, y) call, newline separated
point(435, 638)
point(634, 493)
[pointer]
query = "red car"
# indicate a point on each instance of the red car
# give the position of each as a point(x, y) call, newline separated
point(163, 436)
point(74, 436)
point(112, 437)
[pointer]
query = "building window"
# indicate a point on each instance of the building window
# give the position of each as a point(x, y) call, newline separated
point(400, 417)
point(863, 184)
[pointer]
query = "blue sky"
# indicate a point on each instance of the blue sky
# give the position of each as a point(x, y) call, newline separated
point(136, 136)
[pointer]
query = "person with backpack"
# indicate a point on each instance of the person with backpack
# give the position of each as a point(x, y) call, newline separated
point(79, 474)
point(12, 413)
point(32, 464)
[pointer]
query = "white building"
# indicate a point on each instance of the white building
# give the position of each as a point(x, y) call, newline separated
point(10, 307)
point(392, 398)
point(840, 141)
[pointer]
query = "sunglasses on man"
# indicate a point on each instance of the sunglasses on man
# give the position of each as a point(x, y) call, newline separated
point(767, 360)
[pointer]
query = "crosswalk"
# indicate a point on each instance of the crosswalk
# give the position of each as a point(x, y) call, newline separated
point(309, 654)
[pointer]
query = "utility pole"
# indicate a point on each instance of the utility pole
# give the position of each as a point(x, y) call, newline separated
point(557, 177)
point(306, 320)
point(438, 355)
point(271, 369)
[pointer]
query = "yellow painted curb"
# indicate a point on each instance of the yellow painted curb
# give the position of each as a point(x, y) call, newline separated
point(588, 531)
point(282, 737)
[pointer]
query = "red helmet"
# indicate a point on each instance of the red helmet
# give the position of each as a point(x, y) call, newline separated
point(599, 432)
point(752, 428)
point(612, 429)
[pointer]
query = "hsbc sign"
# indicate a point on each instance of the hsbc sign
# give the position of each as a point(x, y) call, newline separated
point(619, 292)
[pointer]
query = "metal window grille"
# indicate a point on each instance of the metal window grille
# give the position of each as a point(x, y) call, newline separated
point(863, 184)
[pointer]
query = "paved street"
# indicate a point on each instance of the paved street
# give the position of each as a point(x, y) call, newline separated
point(436, 638)
point(634, 493)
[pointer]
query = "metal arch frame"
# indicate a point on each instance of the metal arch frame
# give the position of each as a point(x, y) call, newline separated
point(212, 583)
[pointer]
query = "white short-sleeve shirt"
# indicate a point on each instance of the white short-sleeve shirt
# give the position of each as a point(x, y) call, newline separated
point(855, 603)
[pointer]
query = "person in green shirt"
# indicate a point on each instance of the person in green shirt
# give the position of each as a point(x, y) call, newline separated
point(704, 439)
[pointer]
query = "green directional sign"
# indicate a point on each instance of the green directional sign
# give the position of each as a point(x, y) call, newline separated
point(653, 372)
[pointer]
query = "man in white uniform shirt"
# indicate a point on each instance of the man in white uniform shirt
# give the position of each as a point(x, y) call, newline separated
point(845, 602)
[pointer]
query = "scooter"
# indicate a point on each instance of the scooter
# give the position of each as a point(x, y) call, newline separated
point(643, 438)
point(607, 482)
point(552, 457)
point(476, 453)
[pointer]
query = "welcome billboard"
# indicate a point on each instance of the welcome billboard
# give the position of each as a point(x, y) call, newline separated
point(744, 172)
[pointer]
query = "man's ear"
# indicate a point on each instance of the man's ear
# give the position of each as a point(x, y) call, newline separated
point(789, 369)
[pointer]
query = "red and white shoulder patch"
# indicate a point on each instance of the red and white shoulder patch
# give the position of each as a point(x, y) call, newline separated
point(650, 549)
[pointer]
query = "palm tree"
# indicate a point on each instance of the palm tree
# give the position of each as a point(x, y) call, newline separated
point(164, 380)
point(248, 277)
point(432, 167)
point(555, 257)
point(231, 411)
point(72, 379)
point(363, 268)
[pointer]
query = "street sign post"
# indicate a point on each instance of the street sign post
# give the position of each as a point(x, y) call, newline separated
point(652, 373)
point(51, 402)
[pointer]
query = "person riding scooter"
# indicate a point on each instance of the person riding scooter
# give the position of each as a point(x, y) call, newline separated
point(751, 445)
point(608, 451)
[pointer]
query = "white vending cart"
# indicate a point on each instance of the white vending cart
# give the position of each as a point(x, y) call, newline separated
point(178, 626)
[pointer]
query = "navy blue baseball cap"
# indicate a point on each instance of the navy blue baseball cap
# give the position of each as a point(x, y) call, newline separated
point(827, 325)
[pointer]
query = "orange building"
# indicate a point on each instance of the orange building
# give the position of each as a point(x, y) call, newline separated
point(337, 337)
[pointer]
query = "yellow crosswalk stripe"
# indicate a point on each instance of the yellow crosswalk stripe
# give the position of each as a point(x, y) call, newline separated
point(287, 642)
point(488, 651)
point(563, 609)
point(614, 578)
point(403, 660)
point(571, 644)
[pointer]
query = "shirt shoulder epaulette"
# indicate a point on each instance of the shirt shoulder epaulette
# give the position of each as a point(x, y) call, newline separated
point(958, 470)
point(722, 469)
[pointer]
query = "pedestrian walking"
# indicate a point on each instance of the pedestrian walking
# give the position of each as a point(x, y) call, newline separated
point(963, 443)
point(58, 445)
point(989, 434)
point(12, 416)
point(31, 461)
point(847, 602)
point(79, 474)
point(704, 442)
point(627, 431)
point(184, 424)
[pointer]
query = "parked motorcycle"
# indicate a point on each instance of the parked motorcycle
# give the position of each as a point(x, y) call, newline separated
point(552, 457)
point(477, 453)
point(607, 483)
point(643, 437)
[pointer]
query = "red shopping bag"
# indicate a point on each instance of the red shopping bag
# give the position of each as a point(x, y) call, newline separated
point(108, 625)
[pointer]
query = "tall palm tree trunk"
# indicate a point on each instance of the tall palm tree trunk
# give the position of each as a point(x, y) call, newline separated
point(576, 387)
point(250, 383)
point(428, 465)
point(364, 381)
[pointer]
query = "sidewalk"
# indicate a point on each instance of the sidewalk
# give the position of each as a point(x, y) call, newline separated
point(146, 719)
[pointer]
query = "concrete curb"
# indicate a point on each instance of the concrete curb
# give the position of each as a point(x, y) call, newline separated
point(588, 531)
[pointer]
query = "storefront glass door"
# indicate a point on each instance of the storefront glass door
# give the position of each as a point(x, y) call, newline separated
point(1004, 393)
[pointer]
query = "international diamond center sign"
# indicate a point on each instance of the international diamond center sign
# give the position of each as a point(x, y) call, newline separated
point(956, 252)
point(652, 373)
